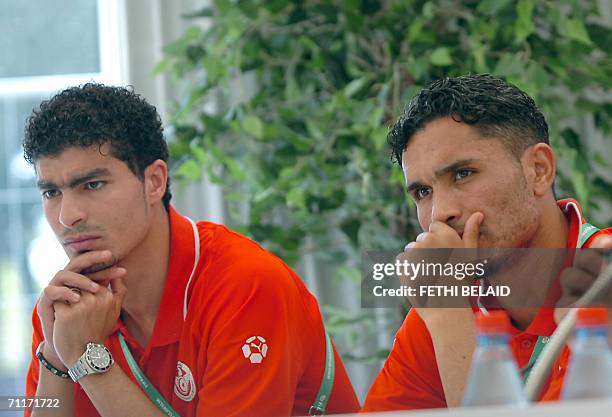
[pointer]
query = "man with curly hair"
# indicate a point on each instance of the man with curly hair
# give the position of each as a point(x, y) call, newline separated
point(197, 318)
point(478, 165)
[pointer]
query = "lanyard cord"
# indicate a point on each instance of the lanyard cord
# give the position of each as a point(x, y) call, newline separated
point(153, 394)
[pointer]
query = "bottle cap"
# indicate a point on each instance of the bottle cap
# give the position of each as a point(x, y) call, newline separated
point(592, 316)
point(494, 322)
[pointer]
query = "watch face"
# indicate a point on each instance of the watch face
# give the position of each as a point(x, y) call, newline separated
point(99, 358)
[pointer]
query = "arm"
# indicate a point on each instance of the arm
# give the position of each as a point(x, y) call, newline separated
point(256, 298)
point(409, 379)
point(40, 381)
point(92, 319)
point(50, 385)
point(114, 394)
point(453, 332)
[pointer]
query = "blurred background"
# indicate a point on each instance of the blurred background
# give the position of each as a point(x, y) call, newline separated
point(277, 111)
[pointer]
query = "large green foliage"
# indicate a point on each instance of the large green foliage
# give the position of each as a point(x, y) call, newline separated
point(305, 90)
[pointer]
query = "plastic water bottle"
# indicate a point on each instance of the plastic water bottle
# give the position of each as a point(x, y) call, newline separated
point(494, 376)
point(589, 374)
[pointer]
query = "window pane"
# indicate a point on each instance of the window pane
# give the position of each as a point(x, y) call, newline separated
point(15, 172)
point(41, 40)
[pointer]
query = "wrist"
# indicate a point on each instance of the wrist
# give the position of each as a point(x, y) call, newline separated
point(52, 357)
point(445, 319)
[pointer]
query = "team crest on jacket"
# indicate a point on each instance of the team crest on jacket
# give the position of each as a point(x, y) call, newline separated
point(255, 349)
point(184, 385)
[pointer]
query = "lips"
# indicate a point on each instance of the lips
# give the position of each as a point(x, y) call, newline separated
point(81, 243)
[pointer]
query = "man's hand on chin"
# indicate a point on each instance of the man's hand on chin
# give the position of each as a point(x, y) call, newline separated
point(453, 330)
point(439, 243)
point(92, 319)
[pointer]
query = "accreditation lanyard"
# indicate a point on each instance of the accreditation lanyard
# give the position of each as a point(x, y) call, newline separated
point(317, 408)
point(586, 231)
point(320, 403)
point(144, 382)
point(542, 340)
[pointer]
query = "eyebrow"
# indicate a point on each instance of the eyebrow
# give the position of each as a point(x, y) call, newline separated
point(442, 172)
point(77, 180)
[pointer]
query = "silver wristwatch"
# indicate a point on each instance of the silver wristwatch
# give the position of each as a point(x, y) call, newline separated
point(97, 359)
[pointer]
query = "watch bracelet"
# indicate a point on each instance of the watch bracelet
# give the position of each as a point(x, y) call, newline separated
point(48, 365)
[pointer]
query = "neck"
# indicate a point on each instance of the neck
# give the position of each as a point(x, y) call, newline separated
point(147, 267)
point(552, 233)
point(553, 228)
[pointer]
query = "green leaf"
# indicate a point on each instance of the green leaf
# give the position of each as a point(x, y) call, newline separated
point(576, 30)
point(203, 12)
point(354, 86)
point(295, 198)
point(492, 7)
point(508, 65)
point(314, 130)
point(599, 159)
point(253, 126)
point(162, 66)
point(441, 57)
point(524, 23)
point(189, 170)
point(428, 10)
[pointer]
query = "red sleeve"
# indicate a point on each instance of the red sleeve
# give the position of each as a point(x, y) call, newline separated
point(409, 379)
point(260, 337)
point(33, 369)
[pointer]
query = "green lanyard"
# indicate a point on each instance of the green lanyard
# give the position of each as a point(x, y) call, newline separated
point(144, 382)
point(542, 340)
point(318, 408)
point(320, 404)
point(586, 231)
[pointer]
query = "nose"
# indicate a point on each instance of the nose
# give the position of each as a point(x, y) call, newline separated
point(71, 212)
point(445, 208)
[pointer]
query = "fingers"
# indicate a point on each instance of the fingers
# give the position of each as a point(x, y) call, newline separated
point(104, 276)
point(55, 293)
point(119, 290)
point(471, 231)
point(91, 262)
point(575, 282)
point(590, 261)
point(438, 227)
point(72, 279)
point(59, 287)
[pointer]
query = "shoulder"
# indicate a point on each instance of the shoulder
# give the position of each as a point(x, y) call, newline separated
point(234, 266)
point(234, 256)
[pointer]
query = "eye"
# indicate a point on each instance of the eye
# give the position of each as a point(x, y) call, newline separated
point(94, 185)
point(463, 173)
point(421, 193)
point(49, 194)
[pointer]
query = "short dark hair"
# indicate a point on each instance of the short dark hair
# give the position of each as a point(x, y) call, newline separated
point(92, 114)
point(493, 106)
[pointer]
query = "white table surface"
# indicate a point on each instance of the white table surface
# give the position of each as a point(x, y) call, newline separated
point(590, 408)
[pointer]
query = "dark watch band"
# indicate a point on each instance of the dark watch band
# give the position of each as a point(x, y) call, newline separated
point(48, 365)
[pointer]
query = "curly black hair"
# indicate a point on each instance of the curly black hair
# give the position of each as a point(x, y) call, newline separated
point(92, 114)
point(494, 107)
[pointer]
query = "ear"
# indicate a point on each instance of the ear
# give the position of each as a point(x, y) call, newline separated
point(539, 165)
point(155, 180)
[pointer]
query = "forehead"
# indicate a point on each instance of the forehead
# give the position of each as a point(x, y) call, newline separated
point(76, 160)
point(444, 141)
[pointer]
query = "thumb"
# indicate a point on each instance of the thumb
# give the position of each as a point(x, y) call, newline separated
point(472, 230)
point(119, 289)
